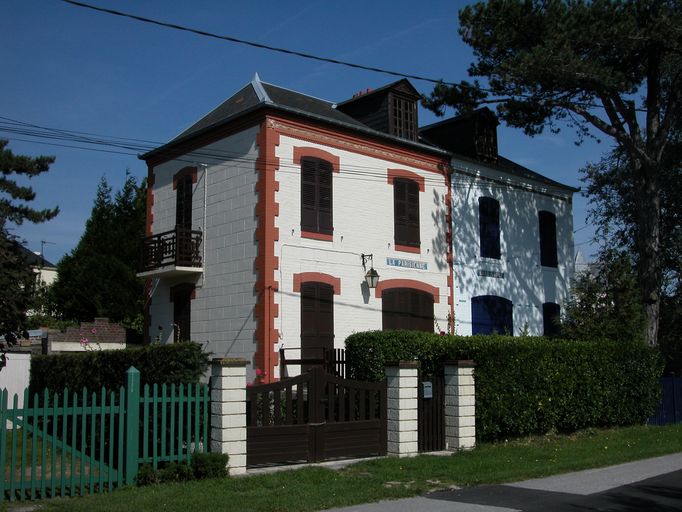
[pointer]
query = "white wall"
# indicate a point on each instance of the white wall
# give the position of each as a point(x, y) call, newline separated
point(222, 312)
point(527, 284)
point(15, 376)
point(363, 223)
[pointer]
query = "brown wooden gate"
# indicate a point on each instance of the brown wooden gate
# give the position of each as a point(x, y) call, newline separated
point(315, 417)
point(431, 414)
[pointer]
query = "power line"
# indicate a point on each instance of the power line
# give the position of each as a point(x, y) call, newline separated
point(365, 173)
point(256, 45)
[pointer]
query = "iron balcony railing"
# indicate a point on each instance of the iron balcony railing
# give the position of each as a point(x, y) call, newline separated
point(179, 247)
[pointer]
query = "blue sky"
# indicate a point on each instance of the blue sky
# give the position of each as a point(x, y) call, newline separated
point(75, 69)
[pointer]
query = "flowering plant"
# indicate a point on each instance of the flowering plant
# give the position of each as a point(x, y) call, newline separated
point(87, 343)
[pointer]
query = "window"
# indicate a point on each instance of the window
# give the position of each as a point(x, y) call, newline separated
point(183, 202)
point(316, 196)
point(181, 297)
point(406, 212)
point(403, 118)
point(491, 314)
point(551, 314)
point(548, 248)
point(489, 227)
point(317, 319)
point(407, 309)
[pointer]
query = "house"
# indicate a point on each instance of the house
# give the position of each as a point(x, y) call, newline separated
point(512, 232)
point(266, 216)
point(46, 272)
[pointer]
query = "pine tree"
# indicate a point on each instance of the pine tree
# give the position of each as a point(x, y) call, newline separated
point(16, 276)
point(607, 69)
point(97, 279)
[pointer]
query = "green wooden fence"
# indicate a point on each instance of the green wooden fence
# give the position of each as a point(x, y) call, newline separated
point(72, 444)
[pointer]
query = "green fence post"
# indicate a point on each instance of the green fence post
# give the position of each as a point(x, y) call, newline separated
point(132, 424)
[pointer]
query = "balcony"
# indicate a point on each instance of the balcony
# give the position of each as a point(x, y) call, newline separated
point(172, 253)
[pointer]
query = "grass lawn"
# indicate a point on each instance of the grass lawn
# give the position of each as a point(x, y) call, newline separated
point(316, 488)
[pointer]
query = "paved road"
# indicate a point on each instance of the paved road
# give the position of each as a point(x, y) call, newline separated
point(647, 485)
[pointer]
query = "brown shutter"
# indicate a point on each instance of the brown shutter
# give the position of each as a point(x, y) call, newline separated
point(406, 308)
point(316, 196)
point(406, 212)
point(317, 319)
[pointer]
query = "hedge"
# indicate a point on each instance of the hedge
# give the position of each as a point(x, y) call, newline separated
point(528, 385)
point(179, 363)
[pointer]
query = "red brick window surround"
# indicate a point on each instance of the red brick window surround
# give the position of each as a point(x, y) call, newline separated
point(387, 284)
point(317, 169)
point(406, 188)
point(317, 277)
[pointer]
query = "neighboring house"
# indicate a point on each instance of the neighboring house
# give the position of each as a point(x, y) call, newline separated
point(264, 217)
point(45, 271)
point(512, 230)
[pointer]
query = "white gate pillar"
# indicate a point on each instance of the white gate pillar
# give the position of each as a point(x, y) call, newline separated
point(401, 394)
point(460, 405)
point(228, 411)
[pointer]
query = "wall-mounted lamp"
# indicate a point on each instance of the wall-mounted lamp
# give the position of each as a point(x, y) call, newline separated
point(372, 276)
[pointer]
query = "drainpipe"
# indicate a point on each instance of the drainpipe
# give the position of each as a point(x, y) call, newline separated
point(203, 244)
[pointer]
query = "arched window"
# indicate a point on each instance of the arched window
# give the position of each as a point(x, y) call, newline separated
point(489, 227)
point(407, 309)
point(316, 196)
point(548, 246)
point(491, 314)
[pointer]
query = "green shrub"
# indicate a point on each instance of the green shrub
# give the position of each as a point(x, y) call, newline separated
point(209, 465)
point(146, 475)
point(177, 363)
point(175, 472)
point(528, 385)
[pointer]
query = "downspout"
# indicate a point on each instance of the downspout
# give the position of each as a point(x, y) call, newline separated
point(203, 243)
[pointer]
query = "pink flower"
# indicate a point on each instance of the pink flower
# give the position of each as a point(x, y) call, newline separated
point(93, 331)
point(258, 371)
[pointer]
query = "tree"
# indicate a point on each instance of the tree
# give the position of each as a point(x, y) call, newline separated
point(604, 67)
point(97, 279)
point(605, 302)
point(16, 276)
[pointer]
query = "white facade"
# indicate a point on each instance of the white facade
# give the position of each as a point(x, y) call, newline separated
point(517, 275)
point(363, 224)
point(246, 162)
point(222, 308)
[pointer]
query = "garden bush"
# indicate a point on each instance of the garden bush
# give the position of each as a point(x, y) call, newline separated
point(203, 465)
point(179, 363)
point(528, 385)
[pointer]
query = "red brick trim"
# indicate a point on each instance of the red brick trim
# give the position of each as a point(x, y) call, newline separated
point(407, 248)
point(402, 173)
point(310, 131)
point(387, 284)
point(266, 263)
point(185, 171)
point(300, 152)
point(317, 236)
point(318, 277)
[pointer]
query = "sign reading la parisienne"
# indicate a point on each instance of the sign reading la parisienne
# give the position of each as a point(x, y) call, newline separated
point(396, 262)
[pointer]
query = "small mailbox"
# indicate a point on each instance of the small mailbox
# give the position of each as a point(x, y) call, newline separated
point(427, 390)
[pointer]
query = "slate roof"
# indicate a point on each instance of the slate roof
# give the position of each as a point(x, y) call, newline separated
point(33, 259)
point(258, 94)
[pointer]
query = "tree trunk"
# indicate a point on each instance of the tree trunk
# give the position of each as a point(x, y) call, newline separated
point(648, 243)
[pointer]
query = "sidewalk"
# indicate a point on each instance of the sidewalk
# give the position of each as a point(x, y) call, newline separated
point(649, 484)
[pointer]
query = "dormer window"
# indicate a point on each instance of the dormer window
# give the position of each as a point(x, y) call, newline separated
point(403, 117)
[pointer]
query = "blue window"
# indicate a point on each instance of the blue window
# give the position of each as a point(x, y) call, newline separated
point(491, 314)
point(489, 227)
point(548, 248)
